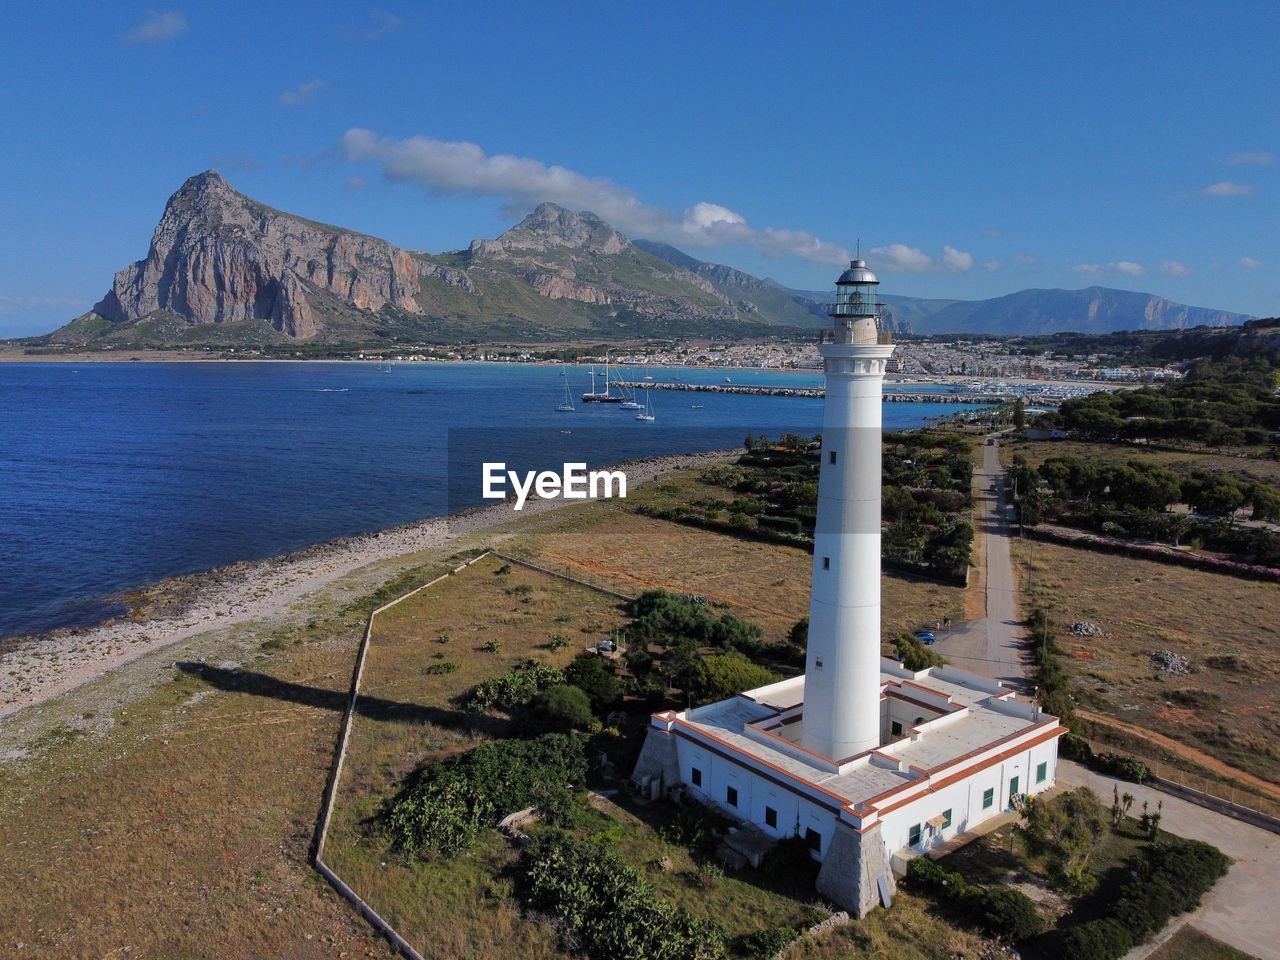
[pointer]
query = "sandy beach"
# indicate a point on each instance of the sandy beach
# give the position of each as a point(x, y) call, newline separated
point(37, 669)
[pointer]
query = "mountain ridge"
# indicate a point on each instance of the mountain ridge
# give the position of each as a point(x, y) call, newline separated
point(224, 268)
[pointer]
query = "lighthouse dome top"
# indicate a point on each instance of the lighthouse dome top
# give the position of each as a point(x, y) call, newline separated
point(858, 272)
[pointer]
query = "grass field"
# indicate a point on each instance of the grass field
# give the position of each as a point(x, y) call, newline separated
point(1227, 705)
point(766, 583)
point(1190, 944)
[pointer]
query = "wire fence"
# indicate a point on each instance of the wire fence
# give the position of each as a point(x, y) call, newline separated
point(1227, 792)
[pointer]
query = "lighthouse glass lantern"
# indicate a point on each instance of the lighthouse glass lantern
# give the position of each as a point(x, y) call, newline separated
point(856, 311)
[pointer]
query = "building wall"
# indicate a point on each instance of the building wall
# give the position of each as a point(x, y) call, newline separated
point(964, 799)
point(796, 814)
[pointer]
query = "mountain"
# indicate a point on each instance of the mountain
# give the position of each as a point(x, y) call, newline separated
point(226, 270)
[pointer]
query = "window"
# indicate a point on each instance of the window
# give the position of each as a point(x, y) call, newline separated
point(1042, 771)
point(826, 563)
point(731, 796)
point(946, 818)
point(831, 457)
point(895, 728)
point(988, 797)
point(813, 839)
point(697, 777)
point(770, 817)
point(913, 836)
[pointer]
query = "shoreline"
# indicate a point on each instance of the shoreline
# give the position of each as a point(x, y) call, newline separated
point(37, 668)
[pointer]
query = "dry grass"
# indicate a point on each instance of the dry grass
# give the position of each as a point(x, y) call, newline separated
point(1190, 944)
point(1228, 706)
point(183, 830)
point(910, 931)
point(765, 583)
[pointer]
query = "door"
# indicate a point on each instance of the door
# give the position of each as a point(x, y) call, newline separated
point(1013, 788)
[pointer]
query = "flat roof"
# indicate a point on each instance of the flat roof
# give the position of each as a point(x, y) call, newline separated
point(979, 714)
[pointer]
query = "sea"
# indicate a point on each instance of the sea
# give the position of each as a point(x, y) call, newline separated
point(117, 475)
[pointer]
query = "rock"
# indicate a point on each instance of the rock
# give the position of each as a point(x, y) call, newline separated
point(218, 257)
point(1083, 628)
point(1166, 661)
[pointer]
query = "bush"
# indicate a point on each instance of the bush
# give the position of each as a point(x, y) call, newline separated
point(1103, 939)
point(598, 677)
point(515, 688)
point(717, 677)
point(1119, 765)
point(441, 667)
point(914, 654)
point(609, 907)
point(558, 642)
point(445, 804)
point(767, 943)
point(564, 707)
point(1003, 912)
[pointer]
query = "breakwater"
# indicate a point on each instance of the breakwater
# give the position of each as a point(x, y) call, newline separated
point(813, 392)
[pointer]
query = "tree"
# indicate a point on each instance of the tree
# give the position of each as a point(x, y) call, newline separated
point(1066, 830)
point(1019, 414)
point(914, 654)
point(565, 707)
point(1265, 502)
point(597, 677)
point(720, 676)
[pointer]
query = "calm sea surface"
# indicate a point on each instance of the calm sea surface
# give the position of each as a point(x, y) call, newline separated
point(114, 475)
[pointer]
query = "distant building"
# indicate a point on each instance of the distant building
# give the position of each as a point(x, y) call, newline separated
point(869, 762)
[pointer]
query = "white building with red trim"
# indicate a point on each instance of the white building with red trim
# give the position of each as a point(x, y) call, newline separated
point(868, 761)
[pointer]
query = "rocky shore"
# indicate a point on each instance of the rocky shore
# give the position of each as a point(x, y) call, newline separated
point(36, 669)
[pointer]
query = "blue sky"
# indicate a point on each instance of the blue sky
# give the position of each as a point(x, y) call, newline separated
point(973, 149)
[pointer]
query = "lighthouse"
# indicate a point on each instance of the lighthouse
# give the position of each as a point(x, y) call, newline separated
point(842, 666)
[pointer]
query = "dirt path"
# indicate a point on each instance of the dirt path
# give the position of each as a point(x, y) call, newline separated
point(1186, 752)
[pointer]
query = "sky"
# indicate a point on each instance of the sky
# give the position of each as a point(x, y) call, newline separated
point(968, 150)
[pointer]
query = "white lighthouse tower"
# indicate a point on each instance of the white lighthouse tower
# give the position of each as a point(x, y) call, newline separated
point(842, 670)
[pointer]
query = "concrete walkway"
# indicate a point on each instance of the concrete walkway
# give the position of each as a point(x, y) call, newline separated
point(991, 646)
point(1236, 911)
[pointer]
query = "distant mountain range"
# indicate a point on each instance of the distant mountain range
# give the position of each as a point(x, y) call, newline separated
point(226, 270)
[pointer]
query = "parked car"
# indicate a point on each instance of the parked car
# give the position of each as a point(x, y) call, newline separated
point(926, 637)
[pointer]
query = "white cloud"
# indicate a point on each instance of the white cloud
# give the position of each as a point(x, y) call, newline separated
point(451, 167)
point(303, 93)
point(1249, 263)
point(356, 183)
point(1176, 268)
point(158, 27)
point(1127, 267)
point(899, 258)
point(1026, 259)
point(383, 23)
point(991, 266)
point(956, 260)
point(1250, 158)
point(1227, 188)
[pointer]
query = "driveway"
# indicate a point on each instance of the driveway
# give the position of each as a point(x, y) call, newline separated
point(991, 646)
point(1235, 912)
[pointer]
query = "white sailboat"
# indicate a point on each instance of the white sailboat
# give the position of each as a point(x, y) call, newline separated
point(630, 403)
point(566, 405)
point(608, 396)
point(646, 414)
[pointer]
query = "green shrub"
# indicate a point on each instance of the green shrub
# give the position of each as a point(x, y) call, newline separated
point(717, 677)
point(914, 654)
point(445, 804)
point(515, 688)
point(767, 943)
point(1003, 912)
point(441, 667)
point(610, 909)
point(491, 646)
point(1103, 939)
point(558, 642)
point(1119, 765)
point(598, 677)
point(564, 707)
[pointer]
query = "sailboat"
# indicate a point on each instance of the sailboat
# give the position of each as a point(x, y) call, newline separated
point(566, 405)
point(630, 403)
point(607, 396)
point(647, 413)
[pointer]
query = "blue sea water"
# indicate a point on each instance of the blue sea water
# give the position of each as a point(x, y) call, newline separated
point(115, 475)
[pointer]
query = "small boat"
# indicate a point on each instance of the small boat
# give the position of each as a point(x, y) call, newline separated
point(566, 405)
point(728, 379)
point(608, 396)
point(696, 406)
point(646, 414)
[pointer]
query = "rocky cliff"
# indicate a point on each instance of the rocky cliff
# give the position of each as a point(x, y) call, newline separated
point(217, 257)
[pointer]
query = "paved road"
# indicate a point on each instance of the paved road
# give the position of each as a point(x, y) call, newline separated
point(1235, 912)
point(991, 646)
